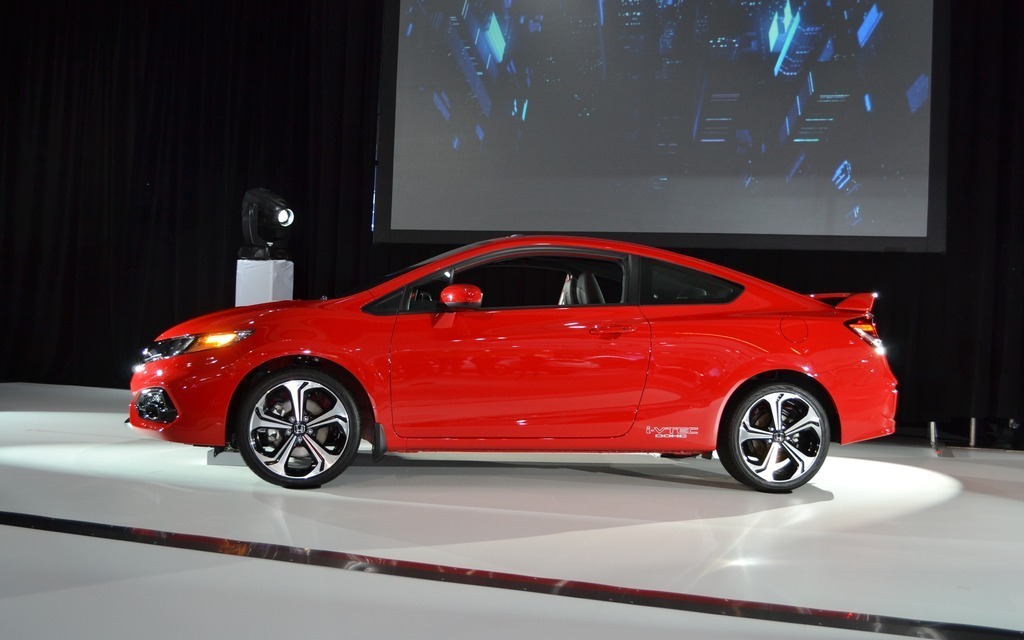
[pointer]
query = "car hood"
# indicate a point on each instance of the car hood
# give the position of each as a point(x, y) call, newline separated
point(240, 318)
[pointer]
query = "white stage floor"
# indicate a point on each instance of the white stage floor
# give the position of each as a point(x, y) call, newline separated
point(109, 534)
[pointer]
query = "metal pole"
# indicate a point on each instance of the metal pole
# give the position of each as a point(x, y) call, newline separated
point(933, 434)
point(974, 431)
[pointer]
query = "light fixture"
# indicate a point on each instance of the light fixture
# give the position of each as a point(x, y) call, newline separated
point(266, 225)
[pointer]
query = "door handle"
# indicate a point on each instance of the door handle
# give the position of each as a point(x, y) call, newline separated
point(612, 329)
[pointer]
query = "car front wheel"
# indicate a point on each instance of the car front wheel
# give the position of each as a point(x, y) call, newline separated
point(775, 439)
point(298, 428)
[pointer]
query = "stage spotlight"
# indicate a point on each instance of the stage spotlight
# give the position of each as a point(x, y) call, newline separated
point(266, 225)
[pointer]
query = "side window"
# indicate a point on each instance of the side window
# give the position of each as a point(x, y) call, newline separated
point(536, 280)
point(547, 280)
point(606, 280)
point(425, 295)
point(386, 306)
point(514, 284)
point(666, 283)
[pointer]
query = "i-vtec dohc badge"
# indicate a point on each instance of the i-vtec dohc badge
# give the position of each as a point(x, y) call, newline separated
point(672, 432)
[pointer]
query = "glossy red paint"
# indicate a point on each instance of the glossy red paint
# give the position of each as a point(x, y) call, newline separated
point(521, 373)
point(636, 373)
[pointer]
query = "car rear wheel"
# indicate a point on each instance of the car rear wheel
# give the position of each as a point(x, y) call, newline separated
point(298, 428)
point(775, 439)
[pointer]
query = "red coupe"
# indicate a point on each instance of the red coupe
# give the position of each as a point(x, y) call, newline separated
point(552, 344)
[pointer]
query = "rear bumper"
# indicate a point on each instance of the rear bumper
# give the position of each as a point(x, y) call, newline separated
point(865, 398)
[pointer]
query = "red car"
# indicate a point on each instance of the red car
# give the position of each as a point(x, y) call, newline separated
point(537, 343)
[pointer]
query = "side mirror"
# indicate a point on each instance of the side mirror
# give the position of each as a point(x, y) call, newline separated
point(462, 296)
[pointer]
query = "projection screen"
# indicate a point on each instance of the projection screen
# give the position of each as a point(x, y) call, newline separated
point(728, 123)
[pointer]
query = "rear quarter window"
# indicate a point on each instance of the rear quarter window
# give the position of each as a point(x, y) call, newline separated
point(667, 283)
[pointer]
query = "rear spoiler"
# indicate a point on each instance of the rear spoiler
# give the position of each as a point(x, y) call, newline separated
point(858, 302)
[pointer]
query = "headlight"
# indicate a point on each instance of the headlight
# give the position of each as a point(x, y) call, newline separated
point(189, 344)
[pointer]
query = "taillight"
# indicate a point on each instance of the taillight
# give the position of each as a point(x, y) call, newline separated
point(864, 327)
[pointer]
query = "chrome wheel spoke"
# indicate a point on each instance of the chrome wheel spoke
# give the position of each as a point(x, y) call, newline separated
point(277, 463)
point(748, 433)
point(324, 459)
point(267, 420)
point(802, 460)
point(337, 412)
point(771, 464)
point(808, 422)
point(776, 405)
point(295, 393)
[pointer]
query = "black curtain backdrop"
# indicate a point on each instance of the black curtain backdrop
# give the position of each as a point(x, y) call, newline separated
point(131, 130)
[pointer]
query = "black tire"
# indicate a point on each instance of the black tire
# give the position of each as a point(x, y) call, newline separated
point(775, 438)
point(298, 451)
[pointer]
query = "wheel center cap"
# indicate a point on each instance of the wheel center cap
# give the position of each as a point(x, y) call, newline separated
point(778, 437)
point(299, 429)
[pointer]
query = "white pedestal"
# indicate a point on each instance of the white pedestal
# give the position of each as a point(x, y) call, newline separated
point(259, 281)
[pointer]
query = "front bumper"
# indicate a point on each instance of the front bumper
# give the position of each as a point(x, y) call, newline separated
point(186, 398)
